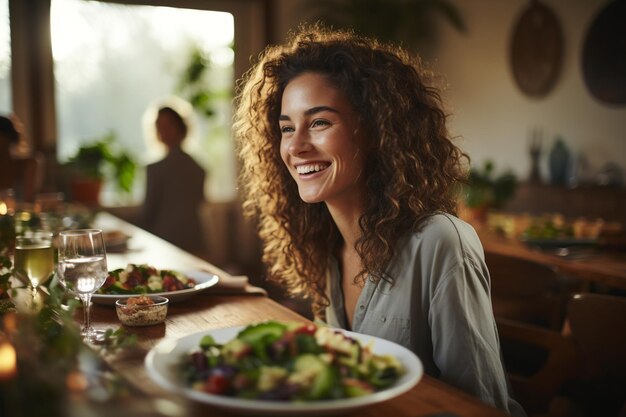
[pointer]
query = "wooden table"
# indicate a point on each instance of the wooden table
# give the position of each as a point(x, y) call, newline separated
point(144, 247)
point(598, 266)
point(212, 309)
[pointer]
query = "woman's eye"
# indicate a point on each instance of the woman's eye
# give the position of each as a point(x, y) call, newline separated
point(318, 122)
point(286, 129)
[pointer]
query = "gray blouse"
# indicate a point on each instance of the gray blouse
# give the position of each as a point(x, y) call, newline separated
point(438, 306)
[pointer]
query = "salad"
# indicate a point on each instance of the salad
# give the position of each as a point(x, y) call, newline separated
point(144, 279)
point(288, 362)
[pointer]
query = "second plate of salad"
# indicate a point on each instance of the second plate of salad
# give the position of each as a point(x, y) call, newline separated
point(138, 279)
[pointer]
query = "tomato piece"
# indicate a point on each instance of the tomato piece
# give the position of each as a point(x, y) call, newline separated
point(306, 329)
point(167, 282)
point(134, 279)
point(216, 384)
point(109, 281)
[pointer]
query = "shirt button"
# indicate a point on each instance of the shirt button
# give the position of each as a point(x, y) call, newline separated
point(384, 319)
point(361, 307)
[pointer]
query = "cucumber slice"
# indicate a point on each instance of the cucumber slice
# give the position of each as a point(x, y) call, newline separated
point(207, 341)
point(319, 378)
point(266, 332)
point(260, 336)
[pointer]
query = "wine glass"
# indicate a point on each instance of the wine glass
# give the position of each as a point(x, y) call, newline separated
point(83, 269)
point(34, 258)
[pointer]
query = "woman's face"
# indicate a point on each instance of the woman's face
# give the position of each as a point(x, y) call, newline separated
point(320, 142)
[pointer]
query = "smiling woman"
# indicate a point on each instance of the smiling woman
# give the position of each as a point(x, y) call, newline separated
point(349, 165)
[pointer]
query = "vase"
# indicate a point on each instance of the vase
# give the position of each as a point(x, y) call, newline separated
point(559, 162)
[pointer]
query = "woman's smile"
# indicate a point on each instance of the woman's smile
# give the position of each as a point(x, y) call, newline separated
point(308, 169)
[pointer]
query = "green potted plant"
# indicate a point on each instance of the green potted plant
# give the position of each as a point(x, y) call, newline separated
point(96, 162)
point(485, 190)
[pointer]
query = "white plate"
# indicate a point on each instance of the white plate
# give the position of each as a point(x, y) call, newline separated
point(163, 360)
point(203, 279)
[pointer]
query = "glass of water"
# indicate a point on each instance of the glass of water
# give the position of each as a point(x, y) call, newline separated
point(82, 269)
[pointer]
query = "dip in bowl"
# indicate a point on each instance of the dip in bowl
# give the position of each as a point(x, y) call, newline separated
point(143, 310)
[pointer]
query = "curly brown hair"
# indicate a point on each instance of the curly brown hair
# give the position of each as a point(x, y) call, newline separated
point(414, 168)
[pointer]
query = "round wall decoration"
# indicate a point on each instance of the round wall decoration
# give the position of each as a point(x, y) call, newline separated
point(536, 52)
point(604, 54)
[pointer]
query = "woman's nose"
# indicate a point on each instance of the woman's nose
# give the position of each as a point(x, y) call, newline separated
point(300, 142)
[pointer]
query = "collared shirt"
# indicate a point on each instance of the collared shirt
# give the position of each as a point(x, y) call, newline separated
point(438, 306)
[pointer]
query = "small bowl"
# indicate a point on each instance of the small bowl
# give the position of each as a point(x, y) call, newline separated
point(141, 314)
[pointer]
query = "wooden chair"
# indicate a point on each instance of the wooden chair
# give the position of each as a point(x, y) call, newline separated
point(535, 386)
point(528, 292)
point(597, 324)
point(584, 369)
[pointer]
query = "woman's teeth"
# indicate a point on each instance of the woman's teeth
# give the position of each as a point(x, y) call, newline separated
point(307, 169)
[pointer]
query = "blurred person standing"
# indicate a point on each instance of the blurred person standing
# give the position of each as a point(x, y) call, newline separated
point(174, 187)
point(23, 174)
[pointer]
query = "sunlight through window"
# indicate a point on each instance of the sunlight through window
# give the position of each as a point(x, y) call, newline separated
point(113, 62)
point(5, 59)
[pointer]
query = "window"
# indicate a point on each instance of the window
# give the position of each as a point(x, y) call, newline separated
point(5, 59)
point(115, 63)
